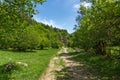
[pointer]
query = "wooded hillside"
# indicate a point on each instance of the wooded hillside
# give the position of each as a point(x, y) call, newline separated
point(18, 31)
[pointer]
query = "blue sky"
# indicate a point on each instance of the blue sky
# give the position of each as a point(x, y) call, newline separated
point(59, 13)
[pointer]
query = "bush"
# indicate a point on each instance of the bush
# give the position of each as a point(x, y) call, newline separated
point(56, 44)
point(6, 39)
point(26, 39)
point(44, 43)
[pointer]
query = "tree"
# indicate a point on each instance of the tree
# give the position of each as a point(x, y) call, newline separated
point(98, 25)
point(15, 20)
point(27, 39)
point(20, 32)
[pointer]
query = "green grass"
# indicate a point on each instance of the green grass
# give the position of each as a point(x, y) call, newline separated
point(70, 49)
point(37, 63)
point(104, 67)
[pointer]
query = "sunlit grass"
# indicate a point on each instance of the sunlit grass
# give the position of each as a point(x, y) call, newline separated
point(37, 63)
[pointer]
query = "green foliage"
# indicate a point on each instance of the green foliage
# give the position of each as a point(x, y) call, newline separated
point(15, 28)
point(113, 51)
point(56, 44)
point(37, 36)
point(27, 38)
point(98, 26)
point(20, 32)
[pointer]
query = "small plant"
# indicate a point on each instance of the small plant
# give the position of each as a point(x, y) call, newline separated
point(60, 62)
point(9, 67)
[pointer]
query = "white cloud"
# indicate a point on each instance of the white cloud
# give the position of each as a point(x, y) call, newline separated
point(86, 4)
point(48, 22)
point(76, 6)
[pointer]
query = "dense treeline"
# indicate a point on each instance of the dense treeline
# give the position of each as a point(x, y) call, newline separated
point(18, 31)
point(98, 26)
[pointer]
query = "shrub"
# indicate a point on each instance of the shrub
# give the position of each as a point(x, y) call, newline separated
point(26, 39)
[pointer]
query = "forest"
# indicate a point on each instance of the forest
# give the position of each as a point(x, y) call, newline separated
point(28, 46)
point(23, 33)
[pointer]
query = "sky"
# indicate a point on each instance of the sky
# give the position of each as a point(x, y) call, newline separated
point(58, 13)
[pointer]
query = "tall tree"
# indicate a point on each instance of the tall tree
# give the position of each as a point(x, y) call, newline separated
point(99, 25)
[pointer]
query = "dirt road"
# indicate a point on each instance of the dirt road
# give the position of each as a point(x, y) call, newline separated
point(63, 67)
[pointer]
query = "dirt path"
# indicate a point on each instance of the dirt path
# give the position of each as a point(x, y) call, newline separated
point(63, 67)
point(54, 65)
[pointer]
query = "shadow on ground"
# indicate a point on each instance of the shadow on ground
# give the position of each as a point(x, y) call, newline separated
point(91, 67)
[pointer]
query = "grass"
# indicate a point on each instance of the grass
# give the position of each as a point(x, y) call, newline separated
point(37, 63)
point(70, 49)
point(104, 67)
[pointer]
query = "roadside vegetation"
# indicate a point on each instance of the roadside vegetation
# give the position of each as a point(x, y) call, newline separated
point(103, 67)
point(97, 35)
point(98, 27)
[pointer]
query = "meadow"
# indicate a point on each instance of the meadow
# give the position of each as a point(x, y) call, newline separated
point(37, 61)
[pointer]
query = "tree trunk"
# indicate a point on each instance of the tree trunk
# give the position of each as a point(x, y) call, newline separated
point(100, 48)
